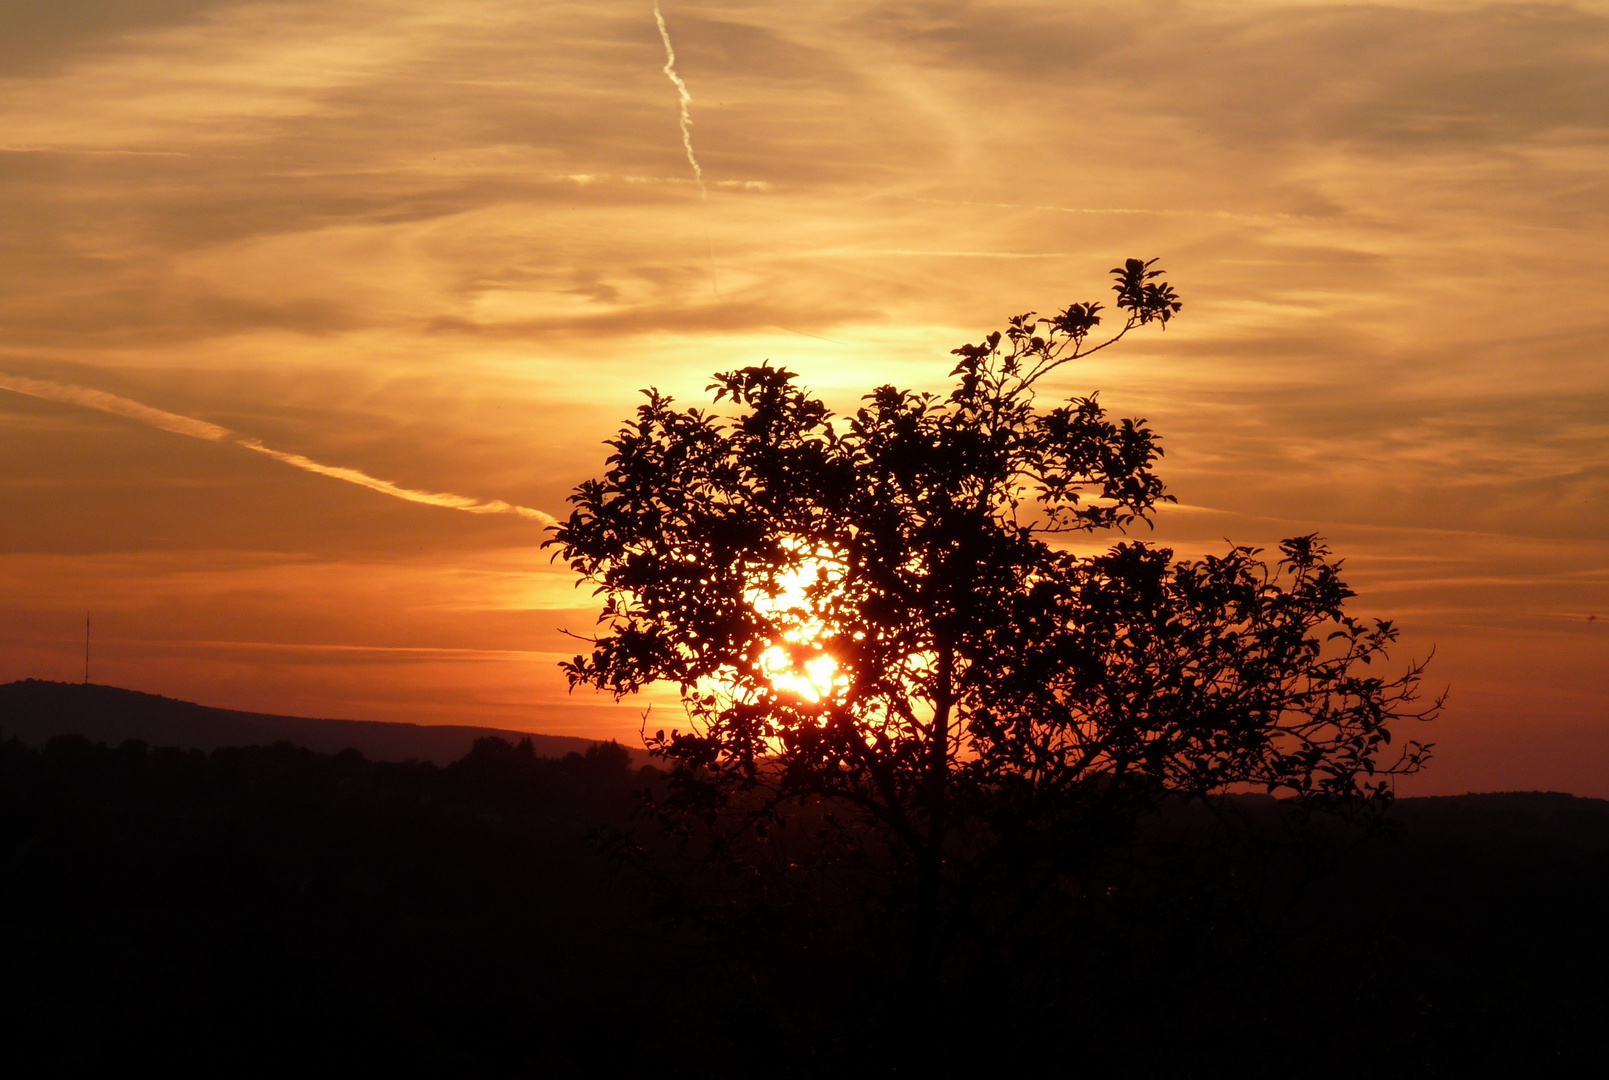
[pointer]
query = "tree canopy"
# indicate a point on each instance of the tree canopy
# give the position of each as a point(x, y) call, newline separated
point(882, 615)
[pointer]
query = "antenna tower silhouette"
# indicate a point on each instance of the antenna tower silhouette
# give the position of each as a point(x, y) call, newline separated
point(86, 648)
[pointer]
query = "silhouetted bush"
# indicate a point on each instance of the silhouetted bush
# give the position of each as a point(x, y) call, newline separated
point(878, 628)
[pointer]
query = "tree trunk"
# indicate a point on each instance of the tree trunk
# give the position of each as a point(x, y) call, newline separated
point(923, 971)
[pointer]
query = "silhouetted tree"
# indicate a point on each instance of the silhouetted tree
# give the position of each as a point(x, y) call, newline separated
point(879, 616)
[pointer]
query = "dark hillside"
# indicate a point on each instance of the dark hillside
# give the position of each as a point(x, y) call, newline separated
point(255, 911)
point(36, 711)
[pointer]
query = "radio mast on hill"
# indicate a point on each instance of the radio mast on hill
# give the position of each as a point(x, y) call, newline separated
point(86, 648)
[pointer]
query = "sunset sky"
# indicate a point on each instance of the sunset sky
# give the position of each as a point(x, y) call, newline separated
point(256, 250)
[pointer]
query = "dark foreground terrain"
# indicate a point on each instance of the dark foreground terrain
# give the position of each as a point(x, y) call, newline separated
point(267, 910)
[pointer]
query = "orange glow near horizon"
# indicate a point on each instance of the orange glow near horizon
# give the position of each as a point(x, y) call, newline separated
point(314, 313)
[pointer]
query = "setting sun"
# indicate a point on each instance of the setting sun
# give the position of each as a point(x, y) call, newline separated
point(796, 662)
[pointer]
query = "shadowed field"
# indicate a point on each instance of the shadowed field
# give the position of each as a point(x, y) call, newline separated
point(251, 910)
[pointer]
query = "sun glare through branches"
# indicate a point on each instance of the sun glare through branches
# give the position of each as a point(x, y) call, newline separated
point(797, 661)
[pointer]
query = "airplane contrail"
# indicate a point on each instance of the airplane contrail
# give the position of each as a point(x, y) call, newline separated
point(385, 487)
point(117, 406)
point(200, 429)
point(686, 100)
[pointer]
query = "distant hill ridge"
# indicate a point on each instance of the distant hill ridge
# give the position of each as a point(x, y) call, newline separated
point(35, 711)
